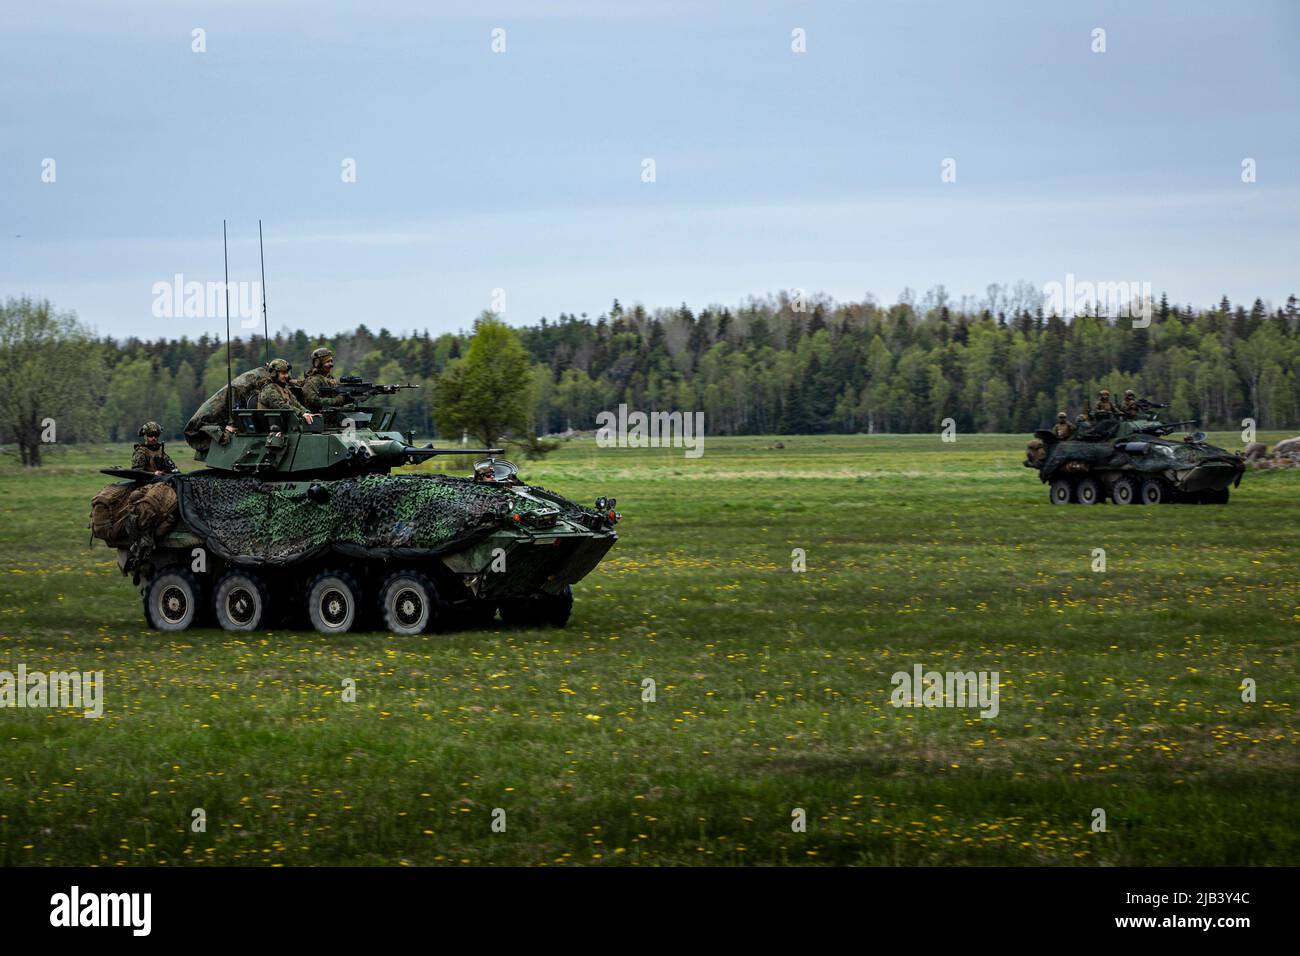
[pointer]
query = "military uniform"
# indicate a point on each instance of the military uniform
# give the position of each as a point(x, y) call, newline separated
point(1104, 404)
point(319, 379)
point(1131, 408)
point(146, 457)
point(1063, 429)
point(275, 396)
point(208, 423)
point(311, 392)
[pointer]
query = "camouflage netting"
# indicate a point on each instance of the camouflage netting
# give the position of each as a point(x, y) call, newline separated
point(247, 521)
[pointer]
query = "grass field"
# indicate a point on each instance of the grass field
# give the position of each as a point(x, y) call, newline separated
point(1119, 690)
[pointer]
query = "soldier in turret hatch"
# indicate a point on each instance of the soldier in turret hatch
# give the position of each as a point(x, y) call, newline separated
point(275, 394)
point(1063, 429)
point(1104, 404)
point(1130, 406)
point(322, 364)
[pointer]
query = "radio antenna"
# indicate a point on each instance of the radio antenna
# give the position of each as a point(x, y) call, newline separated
point(230, 393)
point(266, 328)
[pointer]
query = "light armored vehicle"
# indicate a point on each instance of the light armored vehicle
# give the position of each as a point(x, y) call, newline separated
point(1133, 462)
point(294, 522)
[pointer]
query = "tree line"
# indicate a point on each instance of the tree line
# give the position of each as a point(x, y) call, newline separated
point(779, 364)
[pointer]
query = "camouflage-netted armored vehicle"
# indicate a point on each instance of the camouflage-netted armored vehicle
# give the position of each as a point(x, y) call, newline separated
point(294, 521)
point(1133, 462)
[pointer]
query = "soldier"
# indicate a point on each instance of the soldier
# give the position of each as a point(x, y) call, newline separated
point(1130, 407)
point(1104, 405)
point(1063, 429)
point(149, 455)
point(275, 394)
point(212, 421)
point(322, 363)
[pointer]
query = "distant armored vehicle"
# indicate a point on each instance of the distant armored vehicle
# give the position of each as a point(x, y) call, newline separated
point(1133, 462)
point(294, 520)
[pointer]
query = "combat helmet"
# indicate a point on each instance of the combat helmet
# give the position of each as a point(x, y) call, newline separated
point(319, 356)
point(278, 365)
point(150, 428)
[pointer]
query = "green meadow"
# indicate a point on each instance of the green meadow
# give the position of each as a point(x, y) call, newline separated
point(1120, 690)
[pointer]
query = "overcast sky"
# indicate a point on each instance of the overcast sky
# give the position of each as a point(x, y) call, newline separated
point(522, 170)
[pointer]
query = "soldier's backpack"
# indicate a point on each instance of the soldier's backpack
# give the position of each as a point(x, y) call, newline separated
point(108, 512)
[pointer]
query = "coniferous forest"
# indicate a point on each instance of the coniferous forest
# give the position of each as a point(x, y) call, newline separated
point(783, 366)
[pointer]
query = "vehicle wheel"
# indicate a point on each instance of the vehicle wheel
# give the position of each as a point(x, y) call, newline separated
point(1062, 491)
point(556, 608)
point(172, 599)
point(1124, 492)
point(332, 602)
point(240, 602)
point(539, 610)
point(407, 603)
point(1088, 491)
point(1153, 492)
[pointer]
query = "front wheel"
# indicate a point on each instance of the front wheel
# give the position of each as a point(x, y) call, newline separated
point(539, 610)
point(172, 600)
point(240, 602)
point(1061, 491)
point(407, 602)
point(1088, 491)
point(332, 603)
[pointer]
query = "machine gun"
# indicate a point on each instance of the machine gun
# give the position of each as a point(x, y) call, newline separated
point(1164, 428)
point(1147, 405)
point(355, 389)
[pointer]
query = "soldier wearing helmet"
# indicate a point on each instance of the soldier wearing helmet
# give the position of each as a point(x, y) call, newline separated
point(1063, 429)
point(149, 454)
point(275, 394)
point(322, 363)
point(1104, 404)
point(1130, 406)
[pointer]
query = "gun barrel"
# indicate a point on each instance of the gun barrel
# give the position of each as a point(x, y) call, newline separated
point(428, 451)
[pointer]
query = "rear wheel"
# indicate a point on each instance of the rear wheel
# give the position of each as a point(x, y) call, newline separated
point(1062, 491)
point(240, 602)
point(332, 602)
point(1153, 492)
point(1124, 491)
point(407, 602)
point(1088, 491)
point(172, 599)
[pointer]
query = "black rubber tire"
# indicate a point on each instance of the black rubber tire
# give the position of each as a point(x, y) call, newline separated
point(240, 602)
point(172, 600)
point(1088, 491)
point(557, 608)
point(1124, 491)
point(1153, 492)
point(408, 603)
point(539, 610)
point(333, 602)
point(1061, 491)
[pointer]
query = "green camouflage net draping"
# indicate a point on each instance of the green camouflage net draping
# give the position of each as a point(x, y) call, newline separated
point(245, 518)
